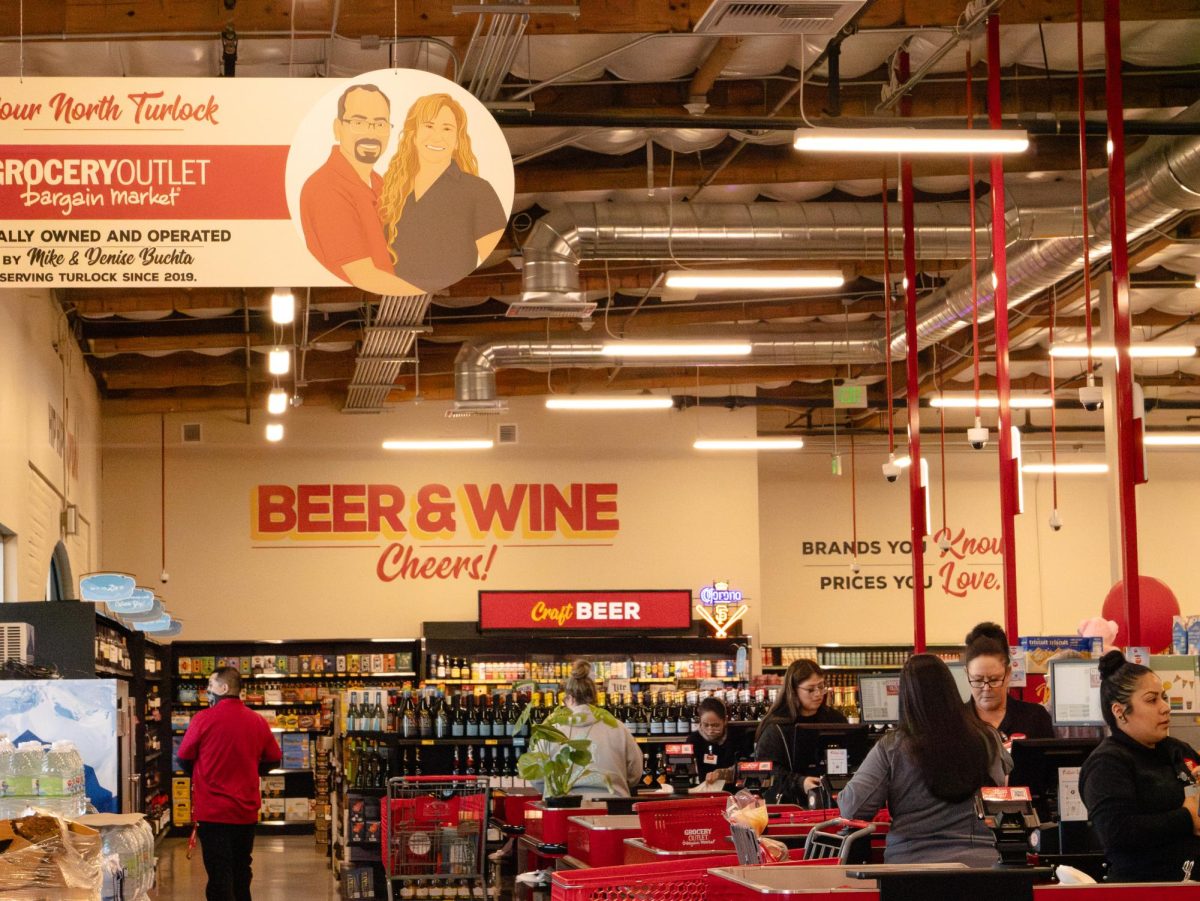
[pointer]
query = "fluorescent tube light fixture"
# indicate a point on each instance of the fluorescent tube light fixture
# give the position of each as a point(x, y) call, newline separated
point(1066, 469)
point(283, 306)
point(752, 279)
point(644, 402)
point(911, 140)
point(440, 444)
point(274, 431)
point(657, 349)
point(277, 402)
point(989, 402)
point(1173, 439)
point(1108, 351)
point(748, 444)
point(279, 361)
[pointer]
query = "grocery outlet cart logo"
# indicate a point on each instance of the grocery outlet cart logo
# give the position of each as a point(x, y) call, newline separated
point(435, 531)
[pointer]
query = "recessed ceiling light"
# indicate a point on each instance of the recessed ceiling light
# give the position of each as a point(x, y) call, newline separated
point(656, 402)
point(440, 444)
point(283, 306)
point(747, 444)
point(911, 140)
point(1078, 469)
point(752, 279)
point(651, 349)
point(1108, 351)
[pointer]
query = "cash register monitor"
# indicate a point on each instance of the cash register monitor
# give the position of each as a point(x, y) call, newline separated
point(959, 672)
point(812, 742)
point(1036, 762)
point(1075, 692)
point(879, 698)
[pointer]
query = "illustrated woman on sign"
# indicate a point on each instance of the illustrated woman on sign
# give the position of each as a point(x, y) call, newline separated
point(440, 218)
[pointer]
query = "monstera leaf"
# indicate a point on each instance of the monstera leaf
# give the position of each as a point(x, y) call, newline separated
point(556, 760)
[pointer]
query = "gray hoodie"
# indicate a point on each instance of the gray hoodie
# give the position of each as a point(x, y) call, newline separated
point(614, 753)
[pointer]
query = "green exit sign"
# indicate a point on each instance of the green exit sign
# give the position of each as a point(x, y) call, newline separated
point(851, 396)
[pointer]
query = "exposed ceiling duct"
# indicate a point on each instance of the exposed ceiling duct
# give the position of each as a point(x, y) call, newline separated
point(1163, 180)
point(563, 238)
point(387, 343)
point(476, 364)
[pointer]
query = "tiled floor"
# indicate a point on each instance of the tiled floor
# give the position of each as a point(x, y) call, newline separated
point(286, 868)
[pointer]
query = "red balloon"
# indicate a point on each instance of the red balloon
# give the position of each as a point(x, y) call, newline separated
point(1158, 605)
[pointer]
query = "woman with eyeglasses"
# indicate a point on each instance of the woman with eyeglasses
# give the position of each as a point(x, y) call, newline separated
point(989, 672)
point(800, 700)
point(927, 772)
point(1139, 784)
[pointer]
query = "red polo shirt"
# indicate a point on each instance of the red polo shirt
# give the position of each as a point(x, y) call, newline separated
point(226, 742)
point(339, 213)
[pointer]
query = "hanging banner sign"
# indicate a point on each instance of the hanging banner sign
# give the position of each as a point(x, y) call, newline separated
point(585, 610)
point(396, 182)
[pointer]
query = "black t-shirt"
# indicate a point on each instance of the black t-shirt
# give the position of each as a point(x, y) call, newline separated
point(1134, 796)
point(1023, 718)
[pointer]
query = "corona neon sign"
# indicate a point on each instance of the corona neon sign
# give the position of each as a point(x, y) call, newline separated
point(720, 606)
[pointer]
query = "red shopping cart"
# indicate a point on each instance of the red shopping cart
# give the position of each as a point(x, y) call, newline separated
point(435, 830)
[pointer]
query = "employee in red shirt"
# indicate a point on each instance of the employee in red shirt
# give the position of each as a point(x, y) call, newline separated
point(226, 748)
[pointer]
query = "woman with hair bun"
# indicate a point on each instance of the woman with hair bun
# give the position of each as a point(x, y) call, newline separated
point(1139, 784)
point(989, 673)
point(615, 754)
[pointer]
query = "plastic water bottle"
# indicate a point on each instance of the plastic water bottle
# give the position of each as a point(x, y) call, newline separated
point(62, 787)
point(25, 780)
point(6, 766)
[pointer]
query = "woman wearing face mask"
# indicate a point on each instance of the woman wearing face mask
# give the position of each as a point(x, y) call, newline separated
point(800, 700)
point(715, 748)
point(1138, 785)
point(989, 673)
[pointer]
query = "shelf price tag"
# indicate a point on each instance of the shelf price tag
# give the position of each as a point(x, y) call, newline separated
point(490, 741)
point(426, 741)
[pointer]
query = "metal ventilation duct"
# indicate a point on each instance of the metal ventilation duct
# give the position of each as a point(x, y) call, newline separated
point(386, 347)
point(564, 237)
point(476, 364)
point(1163, 180)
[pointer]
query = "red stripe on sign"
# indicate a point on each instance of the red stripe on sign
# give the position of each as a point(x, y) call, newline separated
point(74, 182)
point(586, 610)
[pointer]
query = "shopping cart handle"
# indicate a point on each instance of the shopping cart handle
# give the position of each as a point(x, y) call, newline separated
point(439, 780)
point(857, 824)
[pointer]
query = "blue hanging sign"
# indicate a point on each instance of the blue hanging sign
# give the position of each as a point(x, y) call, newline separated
point(106, 586)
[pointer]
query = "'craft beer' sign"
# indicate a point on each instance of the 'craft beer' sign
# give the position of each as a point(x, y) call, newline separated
point(585, 610)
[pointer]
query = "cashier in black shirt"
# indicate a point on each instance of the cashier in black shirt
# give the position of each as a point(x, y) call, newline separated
point(1137, 783)
point(716, 749)
point(989, 673)
point(800, 700)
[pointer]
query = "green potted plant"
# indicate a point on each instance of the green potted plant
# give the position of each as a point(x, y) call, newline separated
point(556, 760)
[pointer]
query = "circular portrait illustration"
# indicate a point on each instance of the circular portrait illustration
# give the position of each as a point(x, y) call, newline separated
point(400, 182)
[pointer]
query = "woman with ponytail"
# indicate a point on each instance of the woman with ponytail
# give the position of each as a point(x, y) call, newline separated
point(1139, 785)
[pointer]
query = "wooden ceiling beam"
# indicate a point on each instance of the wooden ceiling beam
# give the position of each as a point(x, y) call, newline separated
point(416, 17)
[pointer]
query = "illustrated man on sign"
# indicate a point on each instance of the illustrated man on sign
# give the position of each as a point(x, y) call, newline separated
point(339, 203)
point(225, 749)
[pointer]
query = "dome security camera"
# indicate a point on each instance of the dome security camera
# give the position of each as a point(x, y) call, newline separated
point(854, 567)
point(1091, 397)
point(164, 577)
point(1056, 522)
point(891, 471)
point(977, 437)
